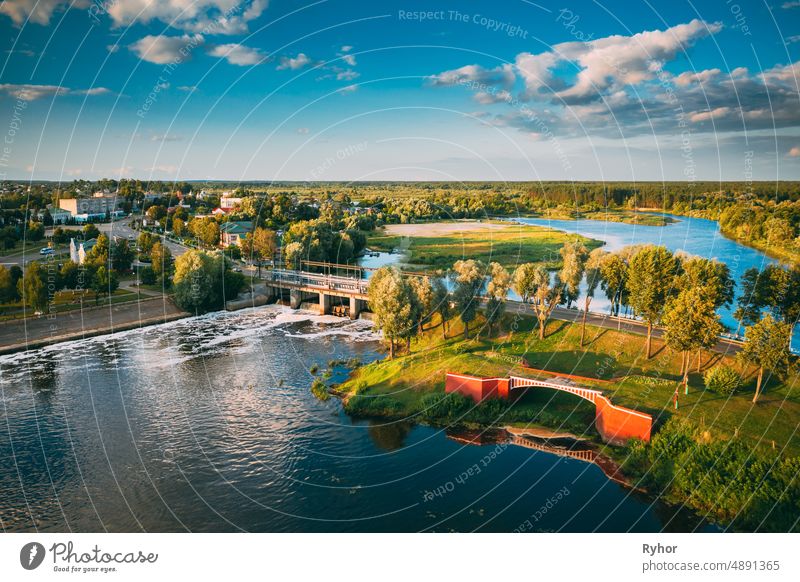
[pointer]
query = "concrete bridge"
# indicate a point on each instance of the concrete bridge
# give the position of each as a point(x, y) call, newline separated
point(615, 424)
point(342, 294)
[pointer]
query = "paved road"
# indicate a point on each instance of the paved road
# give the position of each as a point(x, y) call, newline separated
point(37, 331)
point(121, 228)
point(607, 322)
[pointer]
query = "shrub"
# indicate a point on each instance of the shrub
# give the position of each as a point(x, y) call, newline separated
point(722, 379)
point(365, 405)
point(320, 390)
point(444, 406)
point(314, 368)
point(147, 276)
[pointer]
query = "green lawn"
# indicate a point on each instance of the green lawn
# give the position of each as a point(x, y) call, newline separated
point(508, 244)
point(636, 382)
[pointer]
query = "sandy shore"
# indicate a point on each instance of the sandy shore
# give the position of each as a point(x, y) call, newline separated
point(442, 228)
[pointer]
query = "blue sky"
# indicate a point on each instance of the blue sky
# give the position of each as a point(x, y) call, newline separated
point(331, 90)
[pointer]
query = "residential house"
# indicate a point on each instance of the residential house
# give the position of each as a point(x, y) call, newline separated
point(232, 233)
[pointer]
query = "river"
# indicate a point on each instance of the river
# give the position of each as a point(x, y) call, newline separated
point(208, 424)
point(695, 236)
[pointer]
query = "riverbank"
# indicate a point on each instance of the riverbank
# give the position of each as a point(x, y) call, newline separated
point(437, 245)
point(35, 332)
point(708, 434)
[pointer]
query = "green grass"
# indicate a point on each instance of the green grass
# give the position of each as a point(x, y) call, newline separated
point(511, 245)
point(636, 382)
point(626, 216)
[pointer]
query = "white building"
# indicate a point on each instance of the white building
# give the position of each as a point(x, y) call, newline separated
point(79, 249)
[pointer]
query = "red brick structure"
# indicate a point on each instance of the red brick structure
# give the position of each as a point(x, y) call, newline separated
point(615, 424)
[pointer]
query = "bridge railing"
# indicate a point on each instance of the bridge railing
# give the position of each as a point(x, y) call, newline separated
point(318, 281)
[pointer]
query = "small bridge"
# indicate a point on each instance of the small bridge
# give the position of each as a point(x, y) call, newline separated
point(326, 288)
point(616, 424)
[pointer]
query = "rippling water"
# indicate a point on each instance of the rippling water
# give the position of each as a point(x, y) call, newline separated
point(208, 424)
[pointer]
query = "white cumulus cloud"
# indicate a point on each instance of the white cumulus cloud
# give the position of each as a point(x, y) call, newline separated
point(237, 54)
point(160, 49)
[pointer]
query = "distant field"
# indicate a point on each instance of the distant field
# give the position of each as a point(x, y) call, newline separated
point(438, 245)
point(648, 218)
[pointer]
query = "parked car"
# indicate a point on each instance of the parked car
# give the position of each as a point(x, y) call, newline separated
point(46, 251)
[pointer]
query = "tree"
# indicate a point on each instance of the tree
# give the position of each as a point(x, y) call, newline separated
point(751, 301)
point(424, 296)
point(146, 242)
point(532, 282)
point(766, 346)
point(35, 231)
point(98, 255)
point(469, 280)
point(651, 282)
point(198, 280)
point(292, 255)
point(390, 299)
point(715, 283)
point(712, 276)
point(441, 302)
point(593, 279)
point(782, 292)
point(261, 244)
point(90, 231)
point(161, 262)
point(497, 290)
point(690, 322)
point(104, 282)
point(573, 257)
point(70, 275)
point(32, 288)
point(178, 227)
point(122, 256)
point(8, 289)
point(613, 277)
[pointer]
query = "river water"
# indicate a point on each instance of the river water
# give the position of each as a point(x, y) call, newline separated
point(208, 424)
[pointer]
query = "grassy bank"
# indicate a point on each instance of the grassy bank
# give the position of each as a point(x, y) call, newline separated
point(728, 459)
point(399, 387)
point(508, 244)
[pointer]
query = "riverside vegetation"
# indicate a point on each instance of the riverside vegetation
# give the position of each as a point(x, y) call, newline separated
point(728, 432)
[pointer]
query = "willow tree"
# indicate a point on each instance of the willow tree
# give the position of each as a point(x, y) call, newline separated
point(593, 279)
point(469, 278)
point(441, 302)
point(766, 346)
point(424, 296)
point(497, 291)
point(613, 276)
point(573, 257)
point(532, 282)
point(713, 279)
point(690, 322)
point(651, 282)
point(391, 300)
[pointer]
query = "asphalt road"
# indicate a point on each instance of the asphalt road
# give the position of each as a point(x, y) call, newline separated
point(723, 346)
point(76, 324)
point(121, 228)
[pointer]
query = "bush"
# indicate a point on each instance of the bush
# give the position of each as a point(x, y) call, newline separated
point(147, 276)
point(320, 390)
point(722, 379)
point(364, 405)
point(438, 406)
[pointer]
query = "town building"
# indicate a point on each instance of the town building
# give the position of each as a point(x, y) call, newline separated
point(79, 249)
point(227, 203)
point(233, 233)
point(98, 207)
point(58, 215)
